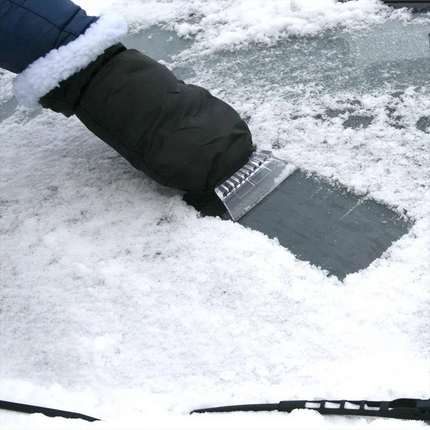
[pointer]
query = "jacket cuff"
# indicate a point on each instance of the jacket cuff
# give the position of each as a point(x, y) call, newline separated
point(46, 73)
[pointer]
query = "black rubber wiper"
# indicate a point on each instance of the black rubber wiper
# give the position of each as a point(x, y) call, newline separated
point(408, 409)
point(416, 5)
point(49, 412)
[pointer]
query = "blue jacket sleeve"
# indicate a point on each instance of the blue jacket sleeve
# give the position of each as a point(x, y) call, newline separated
point(29, 29)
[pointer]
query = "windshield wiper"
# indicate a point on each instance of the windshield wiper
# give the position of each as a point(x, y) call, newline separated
point(416, 5)
point(409, 409)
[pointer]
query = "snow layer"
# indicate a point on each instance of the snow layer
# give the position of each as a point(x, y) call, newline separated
point(119, 301)
point(227, 23)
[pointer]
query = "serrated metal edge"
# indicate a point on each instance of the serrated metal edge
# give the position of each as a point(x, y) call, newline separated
point(234, 182)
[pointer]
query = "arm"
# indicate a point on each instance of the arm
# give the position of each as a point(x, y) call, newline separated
point(178, 134)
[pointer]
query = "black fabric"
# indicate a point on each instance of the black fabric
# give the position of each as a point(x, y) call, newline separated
point(65, 98)
point(178, 134)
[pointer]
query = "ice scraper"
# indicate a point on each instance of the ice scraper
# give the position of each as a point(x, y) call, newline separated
point(319, 221)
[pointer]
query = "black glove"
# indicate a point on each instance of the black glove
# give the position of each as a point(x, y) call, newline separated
point(178, 134)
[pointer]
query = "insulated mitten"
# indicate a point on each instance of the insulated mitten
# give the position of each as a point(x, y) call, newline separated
point(178, 134)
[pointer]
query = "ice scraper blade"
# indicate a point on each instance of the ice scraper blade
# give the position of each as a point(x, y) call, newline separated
point(252, 183)
point(319, 221)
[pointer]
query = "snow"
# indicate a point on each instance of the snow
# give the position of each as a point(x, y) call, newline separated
point(120, 302)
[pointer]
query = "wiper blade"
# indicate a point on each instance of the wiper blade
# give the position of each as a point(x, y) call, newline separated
point(49, 412)
point(409, 409)
point(415, 5)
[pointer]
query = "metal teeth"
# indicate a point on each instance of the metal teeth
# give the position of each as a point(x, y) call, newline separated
point(244, 173)
point(236, 179)
point(224, 190)
point(230, 184)
point(241, 175)
point(247, 170)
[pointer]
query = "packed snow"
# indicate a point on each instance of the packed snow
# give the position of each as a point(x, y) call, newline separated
point(121, 302)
